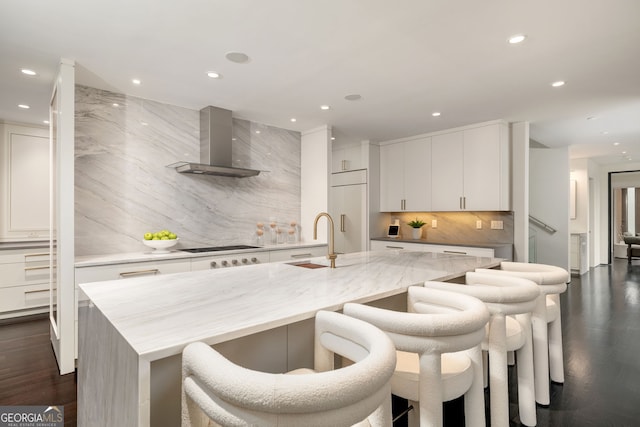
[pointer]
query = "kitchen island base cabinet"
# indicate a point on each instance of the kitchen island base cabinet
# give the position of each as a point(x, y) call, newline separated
point(110, 367)
point(111, 374)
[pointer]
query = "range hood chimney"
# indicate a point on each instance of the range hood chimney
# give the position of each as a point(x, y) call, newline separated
point(216, 125)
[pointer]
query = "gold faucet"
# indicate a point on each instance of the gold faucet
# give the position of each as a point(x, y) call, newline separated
point(331, 256)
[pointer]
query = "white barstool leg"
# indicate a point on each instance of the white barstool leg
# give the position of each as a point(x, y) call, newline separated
point(498, 390)
point(526, 387)
point(474, 398)
point(431, 390)
point(556, 368)
point(383, 416)
point(541, 351)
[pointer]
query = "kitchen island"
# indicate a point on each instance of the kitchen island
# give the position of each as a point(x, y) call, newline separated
point(133, 331)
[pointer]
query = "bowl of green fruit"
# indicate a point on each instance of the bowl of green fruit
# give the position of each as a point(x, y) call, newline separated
point(160, 241)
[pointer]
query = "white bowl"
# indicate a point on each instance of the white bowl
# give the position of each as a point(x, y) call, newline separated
point(161, 246)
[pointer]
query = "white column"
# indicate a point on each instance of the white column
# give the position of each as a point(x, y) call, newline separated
point(63, 335)
point(315, 165)
point(520, 190)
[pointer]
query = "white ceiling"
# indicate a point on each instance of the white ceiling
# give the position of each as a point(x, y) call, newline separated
point(406, 59)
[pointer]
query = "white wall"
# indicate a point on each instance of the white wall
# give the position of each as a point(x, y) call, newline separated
point(315, 164)
point(549, 202)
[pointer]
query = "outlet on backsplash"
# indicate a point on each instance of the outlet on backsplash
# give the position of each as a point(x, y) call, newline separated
point(434, 223)
point(497, 225)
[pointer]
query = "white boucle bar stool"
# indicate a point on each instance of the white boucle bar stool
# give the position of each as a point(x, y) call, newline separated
point(427, 372)
point(218, 391)
point(504, 297)
point(546, 320)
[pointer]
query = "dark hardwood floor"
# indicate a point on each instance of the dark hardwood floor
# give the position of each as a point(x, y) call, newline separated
point(28, 370)
point(601, 332)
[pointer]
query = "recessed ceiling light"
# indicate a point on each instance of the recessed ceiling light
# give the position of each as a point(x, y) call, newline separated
point(214, 75)
point(144, 123)
point(333, 138)
point(616, 143)
point(353, 97)
point(518, 38)
point(557, 84)
point(136, 81)
point(23, 106)
point(115, 104)
point(605, 132)
point(28, 72)
point(436, 114)
point(46, 122)
point(325, 107)
point(624, 152)
point(257, 131)
point(293, 119)
point(237, 57)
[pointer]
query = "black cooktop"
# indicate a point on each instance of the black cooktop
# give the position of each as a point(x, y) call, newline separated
point(219, 248)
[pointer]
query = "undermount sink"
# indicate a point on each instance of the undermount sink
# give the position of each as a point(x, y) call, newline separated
point(306, 264)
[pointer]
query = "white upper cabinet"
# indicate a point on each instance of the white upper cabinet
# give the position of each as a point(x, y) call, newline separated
point(471, 169)
point(447, 171)
point(405, 176)
point(347, 159)
point(24, 183)
point(486, 168)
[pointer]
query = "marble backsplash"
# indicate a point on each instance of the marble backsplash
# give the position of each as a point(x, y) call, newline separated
point(456, 227)
point(124, 188)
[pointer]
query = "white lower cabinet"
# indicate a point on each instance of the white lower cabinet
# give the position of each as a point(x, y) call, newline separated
point(24, 281)
point(128, 270)
point(294, 254)
point(378, 245)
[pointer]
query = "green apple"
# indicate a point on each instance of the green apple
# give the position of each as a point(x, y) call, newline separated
point(173, 236)
point(148, 236)
point(164, 238)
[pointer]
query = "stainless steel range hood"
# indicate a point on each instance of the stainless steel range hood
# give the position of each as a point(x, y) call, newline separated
point(216, 127)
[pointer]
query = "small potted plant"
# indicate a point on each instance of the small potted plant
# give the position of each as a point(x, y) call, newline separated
point(416, 226)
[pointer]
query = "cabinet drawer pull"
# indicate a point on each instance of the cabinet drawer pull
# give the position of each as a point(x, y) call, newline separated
point(394, 247)
point(454, 252)
point(342, 217)
point(139, 273)
point(301, 255)
point(41, 254)
point(42, 267)
point(34, 292)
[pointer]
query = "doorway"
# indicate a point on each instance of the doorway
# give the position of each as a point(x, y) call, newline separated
point(624, 210)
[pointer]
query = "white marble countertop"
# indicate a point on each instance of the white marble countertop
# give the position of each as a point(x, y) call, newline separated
point(122, 258)
point(159, 315)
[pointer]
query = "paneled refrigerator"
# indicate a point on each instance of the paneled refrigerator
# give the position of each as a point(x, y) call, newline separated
point(348, 207)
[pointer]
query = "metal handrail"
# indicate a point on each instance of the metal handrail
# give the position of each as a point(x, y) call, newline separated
point(546, 227)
